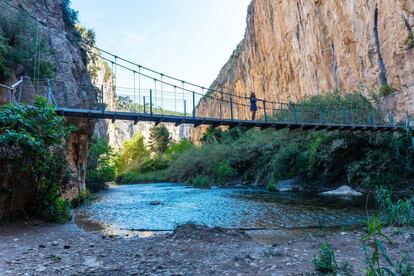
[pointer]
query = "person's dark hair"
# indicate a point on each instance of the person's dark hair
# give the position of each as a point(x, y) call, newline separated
point(253, 95)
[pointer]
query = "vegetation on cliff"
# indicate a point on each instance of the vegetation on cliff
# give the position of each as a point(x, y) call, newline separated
point(32, 146)
point(23, 50)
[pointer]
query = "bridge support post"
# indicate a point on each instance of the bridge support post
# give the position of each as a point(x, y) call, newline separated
point(49, 93)
point(150, 103)
point(231, 108)
point(145, 105)
point(194, 111)
point(19, 99)
point(185, 108)
point(264, 110)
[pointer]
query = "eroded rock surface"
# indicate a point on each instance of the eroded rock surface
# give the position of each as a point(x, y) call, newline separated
point(293, 49)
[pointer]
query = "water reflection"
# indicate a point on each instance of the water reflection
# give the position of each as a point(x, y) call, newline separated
point(164, 206)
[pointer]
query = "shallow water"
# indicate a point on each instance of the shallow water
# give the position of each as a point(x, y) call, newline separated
point(128, 207)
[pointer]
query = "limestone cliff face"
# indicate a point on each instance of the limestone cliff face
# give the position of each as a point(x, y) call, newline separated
point(71, 81)
point(296, 48)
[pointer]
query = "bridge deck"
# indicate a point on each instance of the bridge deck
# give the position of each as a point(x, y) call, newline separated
point(215, 122)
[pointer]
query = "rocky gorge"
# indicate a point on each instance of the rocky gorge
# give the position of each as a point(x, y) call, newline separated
point(295, 49)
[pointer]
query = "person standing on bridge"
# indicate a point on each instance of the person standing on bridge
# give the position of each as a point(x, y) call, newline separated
point(253, 105)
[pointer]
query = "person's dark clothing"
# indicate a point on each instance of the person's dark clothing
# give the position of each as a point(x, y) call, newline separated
point(253, 105)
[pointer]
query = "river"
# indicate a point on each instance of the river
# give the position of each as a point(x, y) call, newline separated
point(155, 207)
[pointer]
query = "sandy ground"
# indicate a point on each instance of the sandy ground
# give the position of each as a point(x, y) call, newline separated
point(35, 248)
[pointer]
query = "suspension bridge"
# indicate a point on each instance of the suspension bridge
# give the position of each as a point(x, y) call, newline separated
point(137, 93)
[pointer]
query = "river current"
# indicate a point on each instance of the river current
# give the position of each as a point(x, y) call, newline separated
point(164, 206)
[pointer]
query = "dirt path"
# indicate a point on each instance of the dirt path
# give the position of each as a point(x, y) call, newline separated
point(46, 249)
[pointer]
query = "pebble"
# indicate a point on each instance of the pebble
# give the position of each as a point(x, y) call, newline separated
point(55, 243)
point(66, 246)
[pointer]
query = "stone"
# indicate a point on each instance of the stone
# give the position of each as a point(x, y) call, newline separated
point(343, 191)
point(66, 246)
point(289, 185)
point(155, 202)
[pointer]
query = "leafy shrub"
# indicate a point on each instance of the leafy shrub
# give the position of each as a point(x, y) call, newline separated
point(326, 261)
point(16, 48)
point(201, 181)
point(404, 267)
point(134, 177)
point(271, 186)
point(32, 143)
point(399, 212)
point(372, 238)
point(82, 198)
point(176, 148)
point(101, 164)
point(155, 164)
point(223, 172)
point(70, 16)
point(58, 211)
point(409, 41)
point(386, 90)
point(133, 153)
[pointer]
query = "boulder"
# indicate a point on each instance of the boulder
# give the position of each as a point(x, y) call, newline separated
point(343, 190)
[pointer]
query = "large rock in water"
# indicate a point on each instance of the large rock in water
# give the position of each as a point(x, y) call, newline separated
point(343, 190)
point(293, 49)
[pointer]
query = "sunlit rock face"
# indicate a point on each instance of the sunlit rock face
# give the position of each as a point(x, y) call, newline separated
point(293, 49)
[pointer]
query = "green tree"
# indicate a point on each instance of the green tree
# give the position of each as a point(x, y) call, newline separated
point(101, 164)
point(32, 144)
point(133, 151)
point(159, 139)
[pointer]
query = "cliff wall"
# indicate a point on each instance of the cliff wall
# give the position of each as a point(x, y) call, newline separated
point(296, 48)
point(71, 87)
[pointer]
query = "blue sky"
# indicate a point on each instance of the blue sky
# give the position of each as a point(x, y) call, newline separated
point(189, 39)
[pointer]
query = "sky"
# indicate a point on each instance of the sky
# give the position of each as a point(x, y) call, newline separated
point(188, 39)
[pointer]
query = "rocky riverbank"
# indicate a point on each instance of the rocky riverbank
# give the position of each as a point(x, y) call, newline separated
point(35, 248)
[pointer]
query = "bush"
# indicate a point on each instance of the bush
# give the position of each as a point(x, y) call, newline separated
point(16, 48)
point(58, 211)
point(223, 172)
point(101, 164)
point(409, 41)
point(32, 143)
point(201, 181)
point(82, 198)
point(386, 90)
point(133, 177)
point(399, 212)
point(157, 163)
point(271, 187)
point(325, 262)
point(133, 153)
point(70, 16)
point(404, 268)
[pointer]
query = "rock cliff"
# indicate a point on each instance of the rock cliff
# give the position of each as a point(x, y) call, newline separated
point(296, 48)
point(72, 85)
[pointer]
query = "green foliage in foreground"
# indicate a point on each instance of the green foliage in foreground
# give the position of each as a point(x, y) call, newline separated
point(325, 262)
point(159, 139)
point(399, 212)
point(32, 144)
